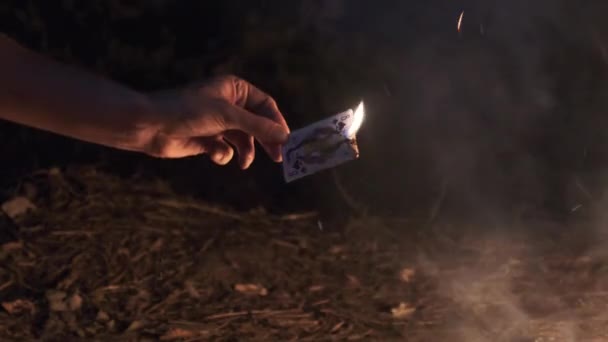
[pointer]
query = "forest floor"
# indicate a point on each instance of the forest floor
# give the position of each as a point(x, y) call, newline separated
point(97, 257)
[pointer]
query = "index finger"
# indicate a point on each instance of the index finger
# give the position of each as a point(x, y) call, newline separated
point(258, 102)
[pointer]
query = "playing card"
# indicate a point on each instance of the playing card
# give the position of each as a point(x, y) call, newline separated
point(319, 146)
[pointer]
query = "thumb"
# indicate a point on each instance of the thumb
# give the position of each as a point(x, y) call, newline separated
point(261, 128)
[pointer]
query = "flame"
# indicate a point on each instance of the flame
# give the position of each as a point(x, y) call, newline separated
point(357, 120)
point(460, 21)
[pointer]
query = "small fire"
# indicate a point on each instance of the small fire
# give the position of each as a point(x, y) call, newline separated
point(460, 21)
point(357, 120)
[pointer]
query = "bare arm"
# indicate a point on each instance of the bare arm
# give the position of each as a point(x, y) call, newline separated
point(212, 117)
point(44, 94)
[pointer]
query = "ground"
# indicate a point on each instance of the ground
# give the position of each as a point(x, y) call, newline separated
point(107, 258)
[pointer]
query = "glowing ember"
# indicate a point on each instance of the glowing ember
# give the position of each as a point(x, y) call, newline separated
point(357, 120)
point(460, 21)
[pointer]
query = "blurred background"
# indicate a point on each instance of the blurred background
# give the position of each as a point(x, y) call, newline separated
point(505, 115)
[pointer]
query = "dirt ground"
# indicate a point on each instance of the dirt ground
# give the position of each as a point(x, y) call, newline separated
point(97, 257)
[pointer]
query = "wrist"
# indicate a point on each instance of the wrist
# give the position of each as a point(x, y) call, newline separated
point(145, 126)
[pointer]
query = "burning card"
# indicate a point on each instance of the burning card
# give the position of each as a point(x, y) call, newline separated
point(322, 145)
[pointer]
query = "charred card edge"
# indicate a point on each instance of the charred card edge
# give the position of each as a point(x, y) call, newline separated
point(355, 146)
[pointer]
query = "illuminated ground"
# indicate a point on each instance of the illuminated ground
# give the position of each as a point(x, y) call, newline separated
point(106, 258)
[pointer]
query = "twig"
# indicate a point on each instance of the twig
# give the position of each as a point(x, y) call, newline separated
point(88, 233)
point(251, 312)
point(208, 244)
point(7, 284)
point(172, 296)
point(112, 288)
point(320, 302)
point(337, 327)
point(201, 207)
point(298, 216)
point(285, 244)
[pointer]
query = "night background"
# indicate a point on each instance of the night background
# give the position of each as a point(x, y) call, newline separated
point(474, 213)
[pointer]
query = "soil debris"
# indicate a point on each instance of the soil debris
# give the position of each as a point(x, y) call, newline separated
point(119, 259)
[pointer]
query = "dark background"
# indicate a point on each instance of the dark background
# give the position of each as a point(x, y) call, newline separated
point(506, 116)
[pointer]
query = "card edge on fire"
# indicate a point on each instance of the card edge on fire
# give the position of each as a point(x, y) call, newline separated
point(328, 120)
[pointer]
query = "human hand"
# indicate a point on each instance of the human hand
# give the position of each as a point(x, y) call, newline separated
point(213, 118)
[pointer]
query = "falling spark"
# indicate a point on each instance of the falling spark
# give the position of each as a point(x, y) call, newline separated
point(357, 121)
point(460, 21)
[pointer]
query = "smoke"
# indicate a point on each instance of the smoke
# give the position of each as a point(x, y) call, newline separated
point(485, 103)
point(502, 116)
point(499, 124)
point(532, 282)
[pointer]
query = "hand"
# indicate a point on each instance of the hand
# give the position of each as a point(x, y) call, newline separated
point(214, 117)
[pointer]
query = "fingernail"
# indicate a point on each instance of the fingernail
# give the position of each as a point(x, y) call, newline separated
point(243, 163)
point(278, 157)
point(281, 134)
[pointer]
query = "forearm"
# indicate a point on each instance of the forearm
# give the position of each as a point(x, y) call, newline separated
point(47, 95)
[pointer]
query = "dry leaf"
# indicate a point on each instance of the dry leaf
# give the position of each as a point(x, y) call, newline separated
point(191, 289)
point(11, 246)
point(102, 316)
point(54, 171)
point(158, 244)
point(176, 334)
point(402, 311)
point(251, 289)
point(336, 249)
point(17, 206)
point(56, 300)
point(135, 325)
point(19, 306)
point(74, 302)
point(59, 301)
point(316, 288)
point(111, 325)
point(337, 327)
point(353, 281)
point(407, 274)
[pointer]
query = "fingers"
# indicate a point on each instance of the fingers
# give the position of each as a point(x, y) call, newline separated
point(258, 102)
point(274, 151)
point(238, 110)
point(244, 146)
point(266, 131)
point(218, 150)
